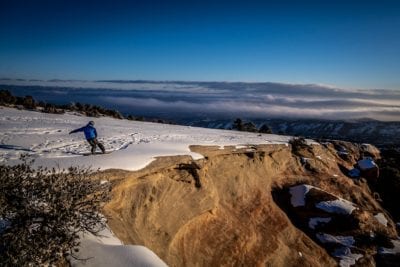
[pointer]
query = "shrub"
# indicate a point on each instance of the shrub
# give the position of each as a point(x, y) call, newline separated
point(114, 113)
point(298, 144)
point(250, 127)
point(29, 102)
point(238, 125)
point(265, 129)
point(79, 106)
point(43, 211)
point(50, 108)
point(7, 98)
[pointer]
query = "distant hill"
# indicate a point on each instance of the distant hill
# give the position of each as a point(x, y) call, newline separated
point(365, 130)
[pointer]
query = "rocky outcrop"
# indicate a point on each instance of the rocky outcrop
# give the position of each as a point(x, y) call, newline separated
point(348, 232)
point(233, 208)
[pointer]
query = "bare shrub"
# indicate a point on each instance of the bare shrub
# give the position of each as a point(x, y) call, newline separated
point(298, 143)
point(43, 210)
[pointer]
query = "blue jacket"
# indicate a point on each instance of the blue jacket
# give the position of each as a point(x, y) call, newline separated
point(89, 130)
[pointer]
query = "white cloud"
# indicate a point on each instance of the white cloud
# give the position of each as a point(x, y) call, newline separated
point(260, 109)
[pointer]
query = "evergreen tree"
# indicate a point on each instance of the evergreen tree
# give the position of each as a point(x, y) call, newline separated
point(238, 124)
point(265, 129)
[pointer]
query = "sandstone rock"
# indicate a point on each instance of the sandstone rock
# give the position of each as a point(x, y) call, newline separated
point(241, 215)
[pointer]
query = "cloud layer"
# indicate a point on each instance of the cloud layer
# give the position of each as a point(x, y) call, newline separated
point(223, 99)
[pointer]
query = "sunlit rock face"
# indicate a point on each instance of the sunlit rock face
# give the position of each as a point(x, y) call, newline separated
point(253, 205)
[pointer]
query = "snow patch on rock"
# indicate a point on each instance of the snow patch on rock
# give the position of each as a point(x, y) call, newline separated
point(347, 258)
point(317, 220)
point(338, 206)
point(299, 193)
point(380, 217)
point(343, 252)
point(347, 241)
point(394, 250)
point(354, 173)
point(366, 164)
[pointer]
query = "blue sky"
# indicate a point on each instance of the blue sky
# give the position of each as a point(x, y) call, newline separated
point(348, 44)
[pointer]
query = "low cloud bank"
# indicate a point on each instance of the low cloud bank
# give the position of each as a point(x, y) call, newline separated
point(261, 100)
point(320, 110)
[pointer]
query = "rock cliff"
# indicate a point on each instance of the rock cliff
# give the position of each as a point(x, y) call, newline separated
point(237, 207)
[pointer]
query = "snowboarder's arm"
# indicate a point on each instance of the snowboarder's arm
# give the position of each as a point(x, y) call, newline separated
point(95, 133)
point(77, 130)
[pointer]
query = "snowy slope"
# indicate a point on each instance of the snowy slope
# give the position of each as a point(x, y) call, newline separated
point(107, 250)
point(134, 144)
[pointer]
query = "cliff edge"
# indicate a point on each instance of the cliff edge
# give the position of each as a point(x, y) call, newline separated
point(265, 205)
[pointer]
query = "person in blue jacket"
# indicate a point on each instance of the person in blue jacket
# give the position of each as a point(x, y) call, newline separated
point(91, 136)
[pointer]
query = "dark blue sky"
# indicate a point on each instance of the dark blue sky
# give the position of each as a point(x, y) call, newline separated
point(351, 44)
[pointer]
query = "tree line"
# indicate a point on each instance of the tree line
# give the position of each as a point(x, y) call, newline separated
point(249, 126)
point(28, 102)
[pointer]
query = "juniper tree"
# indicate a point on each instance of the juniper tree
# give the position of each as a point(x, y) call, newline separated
point(42, 212)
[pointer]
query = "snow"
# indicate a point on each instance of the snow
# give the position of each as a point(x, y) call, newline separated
point(366, 164)
point(299, 193)
point(338, 206)
point(347, 241)
point(133, 144)
point(394, 250)
point(354, 173)
point(341, 149)
point(343, 252)
point(380, 217)
point(372, 234)
point(346, 257)
point(108, 250)
point(317, 220)
point(304, 160)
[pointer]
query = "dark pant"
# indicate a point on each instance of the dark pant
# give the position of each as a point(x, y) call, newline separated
point(93, 142)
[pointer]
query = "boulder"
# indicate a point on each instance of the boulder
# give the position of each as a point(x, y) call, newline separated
point(369, 150)
point(368, 169)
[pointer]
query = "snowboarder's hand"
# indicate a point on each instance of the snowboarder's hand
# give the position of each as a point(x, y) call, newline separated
point(70, 132)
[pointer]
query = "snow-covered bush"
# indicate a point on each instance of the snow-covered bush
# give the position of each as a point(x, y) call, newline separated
point(42, 211)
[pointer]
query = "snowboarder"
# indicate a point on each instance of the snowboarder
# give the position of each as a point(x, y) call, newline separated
point(91, 136)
